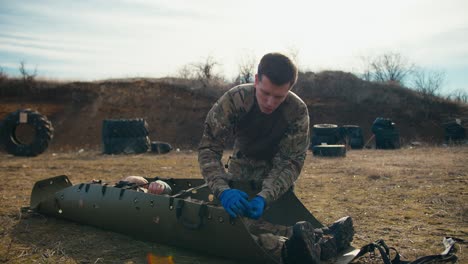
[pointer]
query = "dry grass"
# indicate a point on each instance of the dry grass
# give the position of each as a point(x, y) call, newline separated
point(411, 198)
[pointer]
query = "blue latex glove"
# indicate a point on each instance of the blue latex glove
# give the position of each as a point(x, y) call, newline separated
point(256, 206)
point(234, 202)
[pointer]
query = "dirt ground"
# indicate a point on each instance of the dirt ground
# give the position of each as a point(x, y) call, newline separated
point(411, 198)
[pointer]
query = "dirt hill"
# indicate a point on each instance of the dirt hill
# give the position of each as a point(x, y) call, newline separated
point(175, 109)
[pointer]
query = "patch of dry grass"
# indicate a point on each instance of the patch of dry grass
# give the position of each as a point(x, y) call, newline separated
point(411, 198)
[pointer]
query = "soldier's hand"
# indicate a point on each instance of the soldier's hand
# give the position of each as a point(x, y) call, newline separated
point(256, 207)
point(234, 202)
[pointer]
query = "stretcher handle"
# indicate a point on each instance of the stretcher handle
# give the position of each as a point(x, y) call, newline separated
point(183, 220)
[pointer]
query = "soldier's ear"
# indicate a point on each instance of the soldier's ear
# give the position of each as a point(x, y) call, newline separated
point(256, 80)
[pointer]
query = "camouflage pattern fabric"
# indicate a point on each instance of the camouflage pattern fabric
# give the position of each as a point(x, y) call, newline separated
point(269, 236)
point(269, 149)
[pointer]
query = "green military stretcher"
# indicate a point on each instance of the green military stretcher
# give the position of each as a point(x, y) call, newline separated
point(190, 218)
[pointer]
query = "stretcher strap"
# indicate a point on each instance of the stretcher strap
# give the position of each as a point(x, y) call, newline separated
point(447, 256)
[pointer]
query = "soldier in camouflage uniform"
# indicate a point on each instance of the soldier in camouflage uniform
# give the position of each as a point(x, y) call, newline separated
point(270, 126)
point(271, 129)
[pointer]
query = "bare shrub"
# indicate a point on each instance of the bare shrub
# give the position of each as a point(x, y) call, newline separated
point(246, 69)
point(205, 70)
point(27, 77)
point(428, 82)
point(459, 95)
point(390, 67)
point(185, 72)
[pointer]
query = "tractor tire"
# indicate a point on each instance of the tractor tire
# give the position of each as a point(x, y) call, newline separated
point(325, 129)
point(39, 125)
point(329, 140)
point(354, 137)
point(329, 150)
point(160, 147)
point(325, 133)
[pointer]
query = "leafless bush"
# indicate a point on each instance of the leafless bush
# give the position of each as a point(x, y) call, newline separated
point(246, 69)
point(185, 72)
point(27, 77)
point(428, 82)
point(459, 95)
point(205, 70)
point(389, 67)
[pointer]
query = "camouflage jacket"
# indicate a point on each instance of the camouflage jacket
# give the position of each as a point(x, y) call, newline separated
point(280, 139)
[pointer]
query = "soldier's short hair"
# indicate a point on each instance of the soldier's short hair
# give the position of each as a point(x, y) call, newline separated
point(278, 68)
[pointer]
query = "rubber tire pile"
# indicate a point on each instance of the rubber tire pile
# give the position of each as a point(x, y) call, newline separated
point(125, 136)
point(353, 136)
point(43, 133)
point(329, 150)
point(324, 139)
point(325, 134)
point(454, 131)
point(386, 134)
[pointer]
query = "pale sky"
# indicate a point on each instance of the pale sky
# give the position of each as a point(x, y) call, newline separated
point(100, 39)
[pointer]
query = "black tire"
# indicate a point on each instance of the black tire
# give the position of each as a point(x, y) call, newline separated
point(387, 139)
point(329, 140)
point(160, 147)
point(127, 145)
point(43, 133)
point(329, 150)
point(121, 128)
point(354, 137)
point(325, 129)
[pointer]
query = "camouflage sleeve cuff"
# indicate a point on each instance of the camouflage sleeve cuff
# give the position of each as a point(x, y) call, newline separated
point(219, 188)
point(264, 195)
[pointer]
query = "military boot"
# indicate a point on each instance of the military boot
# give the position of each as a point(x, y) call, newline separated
point(328, 248)
point(343, 231)
point(301, 247)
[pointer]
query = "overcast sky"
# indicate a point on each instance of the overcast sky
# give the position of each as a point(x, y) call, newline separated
point(99, 39)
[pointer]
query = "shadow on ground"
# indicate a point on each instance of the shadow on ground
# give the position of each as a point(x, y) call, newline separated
point(60, 241)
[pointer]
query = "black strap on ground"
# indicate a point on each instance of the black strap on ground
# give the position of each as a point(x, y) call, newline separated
point(447, 256)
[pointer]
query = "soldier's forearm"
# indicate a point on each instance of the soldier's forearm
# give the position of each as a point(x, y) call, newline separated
point(281, 178)
point(212, 170)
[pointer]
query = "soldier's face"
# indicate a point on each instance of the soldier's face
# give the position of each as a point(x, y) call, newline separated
point(269, 95)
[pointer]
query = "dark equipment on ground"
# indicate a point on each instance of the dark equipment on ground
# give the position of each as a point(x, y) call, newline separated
point(26, 132)
point(454, 131)
point(125, 136)
point(160, 147)
point(352, 135)
point(386, 134)
point(191, 218)
point(384, 253)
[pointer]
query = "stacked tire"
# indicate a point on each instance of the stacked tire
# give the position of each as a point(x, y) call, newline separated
point(353, 136)
point(325, 134)
point(386, 134)
point(125, 136)
point(329, 150)
point(454, 131)
point(38, 128)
